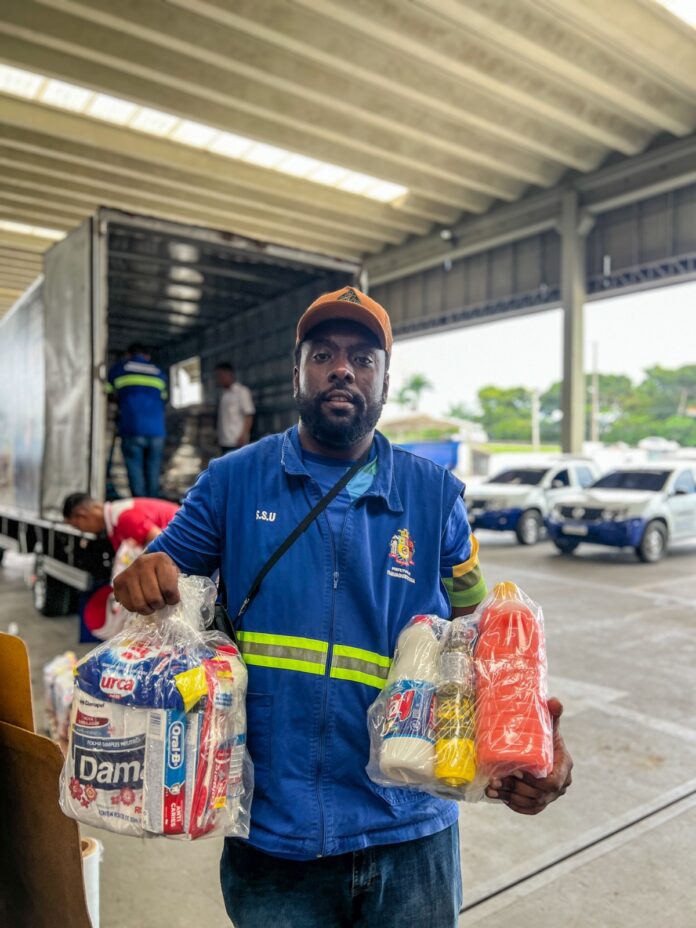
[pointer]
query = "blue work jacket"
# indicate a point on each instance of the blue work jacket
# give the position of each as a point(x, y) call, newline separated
point(141, 388)
point(319, 636)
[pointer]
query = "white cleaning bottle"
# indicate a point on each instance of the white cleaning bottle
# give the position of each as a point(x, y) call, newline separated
point(407, 752)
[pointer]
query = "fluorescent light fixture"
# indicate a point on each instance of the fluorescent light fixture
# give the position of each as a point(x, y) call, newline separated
point(180, 306)
point(386, 192)
point(185, 275)
point(115, 110)
point(19, 83)
point(111, 109)
point(230, 145)
point(21, 228)
point(193, 133)
point(297, 165)
point(356, 183)
point(153, 121)
point(66, 96)
point(682, 9)
point(329, 174)
point(267, 156)
point(182, 292)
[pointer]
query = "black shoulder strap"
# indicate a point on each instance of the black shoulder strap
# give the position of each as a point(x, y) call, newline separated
point(222, 620)
point(299, 530)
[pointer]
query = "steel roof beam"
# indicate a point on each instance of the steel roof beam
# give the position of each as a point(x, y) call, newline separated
point(249, 58)
point(108, 62)
point(528, 34)
point(419, 35)
point(307, 35)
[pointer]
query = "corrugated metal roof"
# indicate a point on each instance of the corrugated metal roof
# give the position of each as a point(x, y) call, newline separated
point(463, 102)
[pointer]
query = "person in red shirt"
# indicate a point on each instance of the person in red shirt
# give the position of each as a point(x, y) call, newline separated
point(139, 519)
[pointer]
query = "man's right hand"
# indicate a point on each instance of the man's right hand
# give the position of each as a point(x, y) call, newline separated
point(150, 583)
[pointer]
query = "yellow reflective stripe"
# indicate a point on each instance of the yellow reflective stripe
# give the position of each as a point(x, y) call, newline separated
point(357, 676)
point(359, 665)
point(312, 644)
point(284, 652)
point(139, 380)
point(460, 569)
point(344, 650)
point(108, 388)
point(284, 663)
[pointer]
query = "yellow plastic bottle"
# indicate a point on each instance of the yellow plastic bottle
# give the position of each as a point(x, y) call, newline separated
point(455, 753)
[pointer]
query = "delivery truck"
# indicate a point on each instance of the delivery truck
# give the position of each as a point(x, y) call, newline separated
point(195, 297)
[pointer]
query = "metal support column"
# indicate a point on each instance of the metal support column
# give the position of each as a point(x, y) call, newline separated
point(573, 229)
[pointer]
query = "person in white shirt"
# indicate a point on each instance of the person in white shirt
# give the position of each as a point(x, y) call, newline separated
point(235, 411)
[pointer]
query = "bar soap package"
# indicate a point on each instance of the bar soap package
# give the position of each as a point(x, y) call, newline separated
point(465, 701)
point(158, 727)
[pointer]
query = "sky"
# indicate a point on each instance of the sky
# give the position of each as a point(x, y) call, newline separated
point(632, 332)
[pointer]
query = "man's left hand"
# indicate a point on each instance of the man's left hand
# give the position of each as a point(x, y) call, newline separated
point(528, 795)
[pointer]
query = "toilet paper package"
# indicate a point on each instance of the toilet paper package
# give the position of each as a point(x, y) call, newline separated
point(465, 701)
point(158, 728)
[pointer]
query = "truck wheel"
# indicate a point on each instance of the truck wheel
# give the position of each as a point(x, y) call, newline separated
point(566, 545)
point(653, 544)
point(528, 529)
point(51, 597)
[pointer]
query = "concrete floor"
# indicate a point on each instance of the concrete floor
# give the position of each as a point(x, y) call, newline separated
point(617, 851)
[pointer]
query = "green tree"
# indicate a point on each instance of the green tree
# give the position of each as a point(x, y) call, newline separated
point(410, 392)
point(462, 411)
point(615, 395)
point(665, 392)
point(506, 412)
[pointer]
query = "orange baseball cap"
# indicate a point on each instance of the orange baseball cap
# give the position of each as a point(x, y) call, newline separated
point(354, 305)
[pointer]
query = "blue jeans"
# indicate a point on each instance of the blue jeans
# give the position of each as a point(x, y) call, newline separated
point(416, 884)
point(143, 457)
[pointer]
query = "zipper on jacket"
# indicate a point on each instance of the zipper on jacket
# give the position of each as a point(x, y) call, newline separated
point(325, 697)
point(327, 672)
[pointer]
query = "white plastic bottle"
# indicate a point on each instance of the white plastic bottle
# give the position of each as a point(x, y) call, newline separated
point(408, 736)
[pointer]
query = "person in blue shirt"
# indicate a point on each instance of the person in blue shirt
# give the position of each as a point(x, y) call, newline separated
point(140, 387)
point(327, 846)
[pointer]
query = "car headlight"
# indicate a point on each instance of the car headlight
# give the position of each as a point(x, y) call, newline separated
point(500, 504)
point(616, 515)
point(556, 513)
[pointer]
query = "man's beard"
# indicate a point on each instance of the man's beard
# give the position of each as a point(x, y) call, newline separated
point(338, 432)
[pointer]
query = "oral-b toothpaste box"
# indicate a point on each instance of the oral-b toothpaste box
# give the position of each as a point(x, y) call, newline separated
point(165, 788)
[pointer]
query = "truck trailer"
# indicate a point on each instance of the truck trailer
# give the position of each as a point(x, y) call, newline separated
point(195, 297)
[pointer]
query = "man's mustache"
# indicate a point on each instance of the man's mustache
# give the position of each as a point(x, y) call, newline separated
point(343, 393)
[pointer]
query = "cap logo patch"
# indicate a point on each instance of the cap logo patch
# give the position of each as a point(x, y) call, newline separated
point(350, 296)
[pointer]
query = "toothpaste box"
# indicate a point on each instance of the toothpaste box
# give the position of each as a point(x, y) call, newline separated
point(164, 782)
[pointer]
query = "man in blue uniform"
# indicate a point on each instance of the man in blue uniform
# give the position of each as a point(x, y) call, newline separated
point(327, 846)
point(140, 387)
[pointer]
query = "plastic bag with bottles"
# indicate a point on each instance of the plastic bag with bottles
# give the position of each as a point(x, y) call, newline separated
point(465, 701)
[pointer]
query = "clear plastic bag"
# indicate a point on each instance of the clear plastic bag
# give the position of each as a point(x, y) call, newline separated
point(465, 701)
point(58, 687)
point(158, 727)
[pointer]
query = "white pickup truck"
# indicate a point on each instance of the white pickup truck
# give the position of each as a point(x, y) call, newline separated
point(519, 499)
point(642, 507)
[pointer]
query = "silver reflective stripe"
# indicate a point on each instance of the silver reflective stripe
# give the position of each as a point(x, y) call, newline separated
point(279, 650)
point(354, 663)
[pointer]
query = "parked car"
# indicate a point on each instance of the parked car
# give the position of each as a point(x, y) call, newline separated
point(642, 507)
point(520, 498)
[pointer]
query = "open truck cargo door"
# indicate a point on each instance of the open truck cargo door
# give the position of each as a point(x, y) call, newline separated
point(73, 325)
point(187, 293)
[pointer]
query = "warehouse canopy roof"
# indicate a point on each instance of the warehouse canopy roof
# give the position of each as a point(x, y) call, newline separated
point(341, 127)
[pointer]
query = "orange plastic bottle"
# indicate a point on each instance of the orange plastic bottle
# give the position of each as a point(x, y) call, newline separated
point(513, 725)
